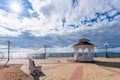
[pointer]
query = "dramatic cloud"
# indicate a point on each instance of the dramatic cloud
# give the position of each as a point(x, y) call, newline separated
point(61, 23)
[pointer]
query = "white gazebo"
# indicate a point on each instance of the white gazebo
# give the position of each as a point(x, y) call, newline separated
point(84, 44)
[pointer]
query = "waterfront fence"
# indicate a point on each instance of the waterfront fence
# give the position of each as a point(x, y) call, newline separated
point(53, 55)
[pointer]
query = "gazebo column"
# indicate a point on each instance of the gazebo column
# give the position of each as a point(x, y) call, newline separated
point(93, 51)
point(92, 55)
point(82, 52)
point(76, 55)
point(89, 54)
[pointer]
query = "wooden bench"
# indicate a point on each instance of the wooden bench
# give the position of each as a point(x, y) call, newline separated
point(34, 69)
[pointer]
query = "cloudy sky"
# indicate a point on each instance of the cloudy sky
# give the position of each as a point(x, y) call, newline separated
point(59, 23)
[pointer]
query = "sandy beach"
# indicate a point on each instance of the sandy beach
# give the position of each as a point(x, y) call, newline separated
point(13, 72)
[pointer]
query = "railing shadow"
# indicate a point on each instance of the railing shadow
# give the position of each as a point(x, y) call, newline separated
point(108, 64)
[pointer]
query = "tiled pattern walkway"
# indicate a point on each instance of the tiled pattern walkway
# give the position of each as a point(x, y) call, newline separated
point(77, 74)
point(66, 69)
point(111, 70)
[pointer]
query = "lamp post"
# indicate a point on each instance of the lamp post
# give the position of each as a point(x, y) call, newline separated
point(45, 51)
point(8, 42)
point(106, 46)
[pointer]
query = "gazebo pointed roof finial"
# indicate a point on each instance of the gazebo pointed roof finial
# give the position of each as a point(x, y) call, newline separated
point(84, 40)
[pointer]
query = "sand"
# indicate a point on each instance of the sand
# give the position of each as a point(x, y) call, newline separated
point(13, 72)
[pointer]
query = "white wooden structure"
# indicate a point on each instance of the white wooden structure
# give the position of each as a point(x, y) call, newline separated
point(84, 44)
point(34, 69)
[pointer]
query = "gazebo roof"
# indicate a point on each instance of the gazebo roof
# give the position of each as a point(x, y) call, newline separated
point(83, 41)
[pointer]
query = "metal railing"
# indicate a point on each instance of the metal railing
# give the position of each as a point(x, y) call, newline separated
point(53, 55)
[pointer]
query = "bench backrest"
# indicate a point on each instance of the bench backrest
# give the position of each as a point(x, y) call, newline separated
point(31, 64)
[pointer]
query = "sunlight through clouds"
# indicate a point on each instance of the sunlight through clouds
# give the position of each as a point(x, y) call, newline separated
point(15, 6)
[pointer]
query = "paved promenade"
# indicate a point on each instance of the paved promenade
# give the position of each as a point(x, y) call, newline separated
point(67, 69)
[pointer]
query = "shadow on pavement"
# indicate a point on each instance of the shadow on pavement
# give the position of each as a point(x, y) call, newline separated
point(108, 64)
point(38, 75)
